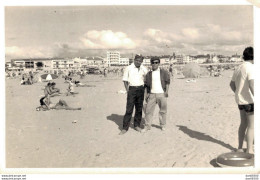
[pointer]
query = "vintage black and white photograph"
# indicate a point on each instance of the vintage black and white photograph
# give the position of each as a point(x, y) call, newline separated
point(129, 86)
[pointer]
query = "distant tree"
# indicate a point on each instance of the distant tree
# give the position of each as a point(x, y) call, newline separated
point(39, 64)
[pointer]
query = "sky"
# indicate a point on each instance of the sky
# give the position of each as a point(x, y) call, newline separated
point(81, 31)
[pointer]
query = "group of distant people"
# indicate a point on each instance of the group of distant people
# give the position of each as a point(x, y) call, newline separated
point(50, 91)
point(27, 79)
point(153, 86)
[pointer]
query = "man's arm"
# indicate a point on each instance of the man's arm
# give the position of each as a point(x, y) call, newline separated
point(126, 85)
point(251, 86)
point(232, 86)
point(46, 102)
point(167, 89)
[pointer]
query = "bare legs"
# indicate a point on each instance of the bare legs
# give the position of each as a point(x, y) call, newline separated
point(250, 133)
point(246, 128)
point(63, 105)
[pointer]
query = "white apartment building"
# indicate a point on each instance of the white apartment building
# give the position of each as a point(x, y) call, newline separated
point(124, 61)
point(236, 59)
point(113, 58)
point(201, 60)
point(146, 62)
point(62, 63)
point(180, 59)
point(165, 61)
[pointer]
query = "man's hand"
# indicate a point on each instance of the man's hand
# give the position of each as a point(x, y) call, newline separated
point(147, 97)
point(166, 94)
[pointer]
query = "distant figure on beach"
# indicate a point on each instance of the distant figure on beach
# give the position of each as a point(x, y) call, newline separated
point(45, 104)
point(70, 89)
point(242, 84)
point(157, 84)
point(80, 84)
point(171, 70)
point(133, 79)
point(105, 72)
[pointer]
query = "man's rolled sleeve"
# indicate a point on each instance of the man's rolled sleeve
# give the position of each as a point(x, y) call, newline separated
point(125, 76)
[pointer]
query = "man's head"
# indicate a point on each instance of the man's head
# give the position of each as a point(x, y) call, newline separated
point(53, 84)
point(248, 54)
point(155, 61)
point(138, 60)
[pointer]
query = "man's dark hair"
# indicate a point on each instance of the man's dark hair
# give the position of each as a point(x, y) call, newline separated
point(155, 58)
point(139, 56)
point(248, 54)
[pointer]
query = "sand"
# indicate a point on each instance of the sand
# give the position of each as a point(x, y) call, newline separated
point(202, 123)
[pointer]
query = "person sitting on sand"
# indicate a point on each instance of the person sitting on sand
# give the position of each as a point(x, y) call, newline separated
point(45, 104)
point(71, 88)
point(51, 90)
point(54, 89)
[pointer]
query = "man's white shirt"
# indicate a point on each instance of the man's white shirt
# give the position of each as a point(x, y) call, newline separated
point(135, 76)
point(156, 82)
point(241, 77)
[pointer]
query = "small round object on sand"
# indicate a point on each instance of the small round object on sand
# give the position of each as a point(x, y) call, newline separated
point(235, 159)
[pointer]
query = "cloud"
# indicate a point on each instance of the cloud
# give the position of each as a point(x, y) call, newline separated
point(107, 39)
point(27, 52)
point(190, 33)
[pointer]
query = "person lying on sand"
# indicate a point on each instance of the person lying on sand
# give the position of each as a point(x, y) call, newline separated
point(79, 84)
point(45, 104)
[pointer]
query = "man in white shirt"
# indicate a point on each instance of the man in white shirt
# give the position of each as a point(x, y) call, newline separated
point(133, 79)
point(157, 85)
point(242, 84)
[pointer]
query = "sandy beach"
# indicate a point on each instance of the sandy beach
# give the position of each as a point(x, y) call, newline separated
point(202, 123)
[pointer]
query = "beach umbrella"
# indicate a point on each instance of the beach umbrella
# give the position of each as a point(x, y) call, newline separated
point(49, 77)
point(191, 70)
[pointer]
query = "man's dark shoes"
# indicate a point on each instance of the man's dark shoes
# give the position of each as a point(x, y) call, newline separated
point(138, 129)
point(123, 132)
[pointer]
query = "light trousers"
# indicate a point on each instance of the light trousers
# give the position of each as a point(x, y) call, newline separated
point(161, 100)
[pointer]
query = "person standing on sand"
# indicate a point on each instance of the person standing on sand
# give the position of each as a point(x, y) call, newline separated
point(157, 84)
point(133, 79)
point(242, 84)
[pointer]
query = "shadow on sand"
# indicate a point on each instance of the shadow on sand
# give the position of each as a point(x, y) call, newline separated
point(214, 163)
point(204, 137)
point(118, 119)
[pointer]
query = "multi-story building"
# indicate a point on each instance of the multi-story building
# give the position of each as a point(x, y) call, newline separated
point(236, 58)
point(113, 58)
point(95, 61)
point(179, 59)
point(146, 61)
point(124, 61)
point(62, 64)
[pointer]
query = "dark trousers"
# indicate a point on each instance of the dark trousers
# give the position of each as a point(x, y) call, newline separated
point(135, 98)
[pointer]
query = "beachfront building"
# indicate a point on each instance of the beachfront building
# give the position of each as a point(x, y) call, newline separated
point(173, 59)
point(62, 64)
point(146, 61)
point(189, 59)
point(113, 58)
point(79, 62)
point(123, 61)
point(31, 64)
point(179, 59)
point(236, 58)
point(95, 61)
